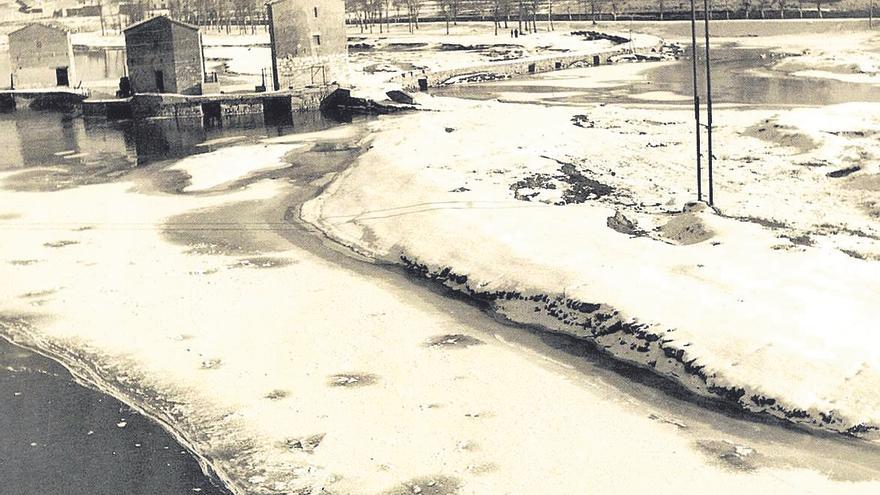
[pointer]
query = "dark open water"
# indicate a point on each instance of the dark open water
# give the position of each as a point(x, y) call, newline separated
point(60, 438)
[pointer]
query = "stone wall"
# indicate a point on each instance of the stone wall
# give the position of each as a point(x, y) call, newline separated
point(189, 66)
point(303, 72)
point(309, 44)
point(166, 46)
point(180, 106)
point(410, 80)
point(35, 52)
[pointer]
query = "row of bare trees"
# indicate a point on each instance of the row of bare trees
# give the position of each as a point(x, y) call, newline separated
point(524, 15)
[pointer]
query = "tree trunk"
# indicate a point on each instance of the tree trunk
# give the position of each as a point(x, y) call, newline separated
point(519, 21)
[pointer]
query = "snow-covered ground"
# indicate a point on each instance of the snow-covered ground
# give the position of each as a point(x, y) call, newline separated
point(209, 170)
point(289, 368)
point(572, 219)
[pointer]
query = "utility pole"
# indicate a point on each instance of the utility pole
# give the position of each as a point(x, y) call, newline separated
point(708, 99)
point(696, 98)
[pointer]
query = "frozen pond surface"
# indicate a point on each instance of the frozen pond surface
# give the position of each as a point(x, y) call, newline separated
point(60, 438)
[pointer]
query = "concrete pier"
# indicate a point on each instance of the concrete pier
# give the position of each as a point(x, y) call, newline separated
point(276, 106)
point(39, 99)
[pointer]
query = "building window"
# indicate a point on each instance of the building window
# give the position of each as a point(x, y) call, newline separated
point(316, 11)
point(317, 38)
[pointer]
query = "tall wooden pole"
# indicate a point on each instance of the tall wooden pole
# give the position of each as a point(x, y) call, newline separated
point(708, 99)
point(696, 99)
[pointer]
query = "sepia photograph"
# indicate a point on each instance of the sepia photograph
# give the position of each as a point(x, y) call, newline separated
point(439, 247)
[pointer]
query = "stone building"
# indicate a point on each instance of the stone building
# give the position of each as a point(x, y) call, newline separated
point(165, 56)
point(41, 56)
point(309, 46)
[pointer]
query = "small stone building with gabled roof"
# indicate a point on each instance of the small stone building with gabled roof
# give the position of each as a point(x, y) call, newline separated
point(164, 55)
point(309, 44)
point(41, 56)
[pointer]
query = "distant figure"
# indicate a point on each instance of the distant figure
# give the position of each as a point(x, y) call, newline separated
point(511, 33)
point(516, 33)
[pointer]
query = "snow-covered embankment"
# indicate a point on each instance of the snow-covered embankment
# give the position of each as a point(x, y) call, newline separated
point(729, 309)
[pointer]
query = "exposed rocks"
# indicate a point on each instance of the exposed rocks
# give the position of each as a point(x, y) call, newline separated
point(572, 185)
point(400, 97)
point(622, 224)
point(306, 444)
point(730, 455)
point(584, 121)
point(686, 228)
point(843, 172)
point(456, 341)
point(277, 394)
point(427, 485)
point(596, 35)
point(638, 343)
point(60, 244)
point(351, 380)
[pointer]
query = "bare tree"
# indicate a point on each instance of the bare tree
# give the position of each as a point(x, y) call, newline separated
point(762, 7)
point(614, 5)
point(747, 7)
point(819, 4)
point(781, 4)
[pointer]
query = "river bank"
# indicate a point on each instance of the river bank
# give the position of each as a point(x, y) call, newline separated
point(159, 288)
point(189, 284)
point(63, 436)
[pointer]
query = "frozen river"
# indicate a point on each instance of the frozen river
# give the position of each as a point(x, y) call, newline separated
point(54, 152)
point(740, 76)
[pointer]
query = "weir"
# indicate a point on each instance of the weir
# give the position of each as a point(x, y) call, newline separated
point(423, 79)
point(219, 108)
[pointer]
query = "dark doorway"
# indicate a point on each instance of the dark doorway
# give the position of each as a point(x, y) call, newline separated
point(212, 116)
point(596, 60)
point(558, 65)
point(277, 111)
point(531, 68)
point(423, 84)
point(160, 82)
point(61, 76)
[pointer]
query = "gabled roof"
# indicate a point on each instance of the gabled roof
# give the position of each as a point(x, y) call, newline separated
point(53, 27)
point(158, 18)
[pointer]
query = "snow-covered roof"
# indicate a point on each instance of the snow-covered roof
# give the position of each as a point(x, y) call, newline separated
point(165, 17)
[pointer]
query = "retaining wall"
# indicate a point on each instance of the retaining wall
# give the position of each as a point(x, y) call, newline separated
point(535, 65)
